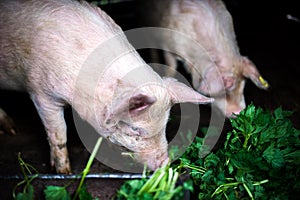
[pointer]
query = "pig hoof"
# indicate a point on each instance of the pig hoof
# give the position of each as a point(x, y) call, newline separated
point(59, 159)
point(6, 124)
point(64, 171)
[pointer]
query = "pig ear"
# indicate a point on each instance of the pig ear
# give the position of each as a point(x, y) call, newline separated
point(131, 106)
point(181, 93)
point(250, 71)
point(139, 102)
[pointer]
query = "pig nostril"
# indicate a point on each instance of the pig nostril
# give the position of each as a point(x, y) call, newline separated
point(233, 114)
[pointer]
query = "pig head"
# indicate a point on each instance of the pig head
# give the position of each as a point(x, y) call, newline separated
point(227, 87)
point(132, 105)
point(137, 119)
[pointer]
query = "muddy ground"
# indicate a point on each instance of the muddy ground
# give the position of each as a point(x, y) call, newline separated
point(264, 34)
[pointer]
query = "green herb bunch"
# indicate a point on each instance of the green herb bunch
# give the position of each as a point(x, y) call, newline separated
point(260, 159)
point(162, 185)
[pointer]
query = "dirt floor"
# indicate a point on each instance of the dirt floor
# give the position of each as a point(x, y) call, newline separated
point(264, 34)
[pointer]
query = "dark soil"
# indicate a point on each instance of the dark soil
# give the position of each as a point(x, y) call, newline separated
point(264, 34)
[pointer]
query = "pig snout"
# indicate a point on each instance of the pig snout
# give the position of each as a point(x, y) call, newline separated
point(232, 112)
point(234, 108)
point(151, 151)
point(153, 159)
point(230, 105)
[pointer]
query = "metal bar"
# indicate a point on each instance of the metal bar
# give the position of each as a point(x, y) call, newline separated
point(74, 176)
point(292, 18)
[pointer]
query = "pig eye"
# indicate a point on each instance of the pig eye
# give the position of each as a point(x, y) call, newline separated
point(137, 130)
point(134, 128)
point(130, 129)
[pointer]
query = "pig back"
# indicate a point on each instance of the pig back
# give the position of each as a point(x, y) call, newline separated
point(44, 43)
point(205, 22)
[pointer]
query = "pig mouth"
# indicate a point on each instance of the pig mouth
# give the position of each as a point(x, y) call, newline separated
point(143, 148)
point(151, 155)
point(153, 159)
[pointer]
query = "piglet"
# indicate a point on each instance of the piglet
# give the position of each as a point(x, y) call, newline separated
point(217, 68)
point(45, 49)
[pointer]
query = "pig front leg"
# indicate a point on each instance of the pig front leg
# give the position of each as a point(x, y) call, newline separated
point(6, 123)
point(52, 115)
